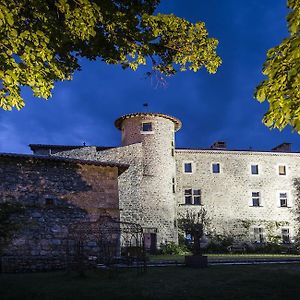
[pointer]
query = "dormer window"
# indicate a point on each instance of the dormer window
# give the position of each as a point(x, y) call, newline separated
point(146, 127)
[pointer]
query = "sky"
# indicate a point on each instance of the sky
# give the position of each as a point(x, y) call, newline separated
point(211, 107)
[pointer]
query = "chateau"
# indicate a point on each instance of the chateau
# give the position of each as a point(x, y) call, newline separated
point(247, 194)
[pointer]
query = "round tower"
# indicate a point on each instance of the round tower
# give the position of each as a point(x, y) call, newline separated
point(156, 134)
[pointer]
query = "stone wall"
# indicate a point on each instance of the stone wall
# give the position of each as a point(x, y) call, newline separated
point(146, 188)
point(227, 195)
point(56, 194)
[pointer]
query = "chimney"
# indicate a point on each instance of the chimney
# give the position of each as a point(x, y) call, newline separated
point(219, 145)
point(284, 147)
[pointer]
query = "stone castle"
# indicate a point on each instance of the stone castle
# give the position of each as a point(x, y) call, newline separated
point(248, 195)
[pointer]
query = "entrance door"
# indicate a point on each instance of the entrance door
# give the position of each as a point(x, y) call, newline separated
point(153, 238)
point(150, 240)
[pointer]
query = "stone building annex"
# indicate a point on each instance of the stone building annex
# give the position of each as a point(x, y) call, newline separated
point(248, 195)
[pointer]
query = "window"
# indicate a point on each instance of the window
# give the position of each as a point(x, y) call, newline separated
point(258, 235)
point(255, 199)
point(283, 199)
point(216, 168)
point(282, 170)
point(173, 185)
point(188, 168)
point(146, 126)
point(254, 169)
point(172, 149)
point(192, 196)
point(197, 197)
point(285, 234)
point(49, 201)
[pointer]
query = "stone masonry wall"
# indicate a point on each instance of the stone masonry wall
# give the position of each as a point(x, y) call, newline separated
point(227, 195)
point(129, 182)
point(146, 188)
point(56, 195)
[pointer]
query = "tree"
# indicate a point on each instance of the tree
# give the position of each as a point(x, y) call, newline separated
point(282, 67)
point(41, 41)
point(194, 223)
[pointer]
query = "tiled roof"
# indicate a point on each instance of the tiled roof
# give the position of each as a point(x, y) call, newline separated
point(234, 150)
point(65, 147)
point(176, 121)
point(121, 167)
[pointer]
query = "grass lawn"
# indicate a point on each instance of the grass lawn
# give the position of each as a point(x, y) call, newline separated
point(217, 282)
point(235, 257)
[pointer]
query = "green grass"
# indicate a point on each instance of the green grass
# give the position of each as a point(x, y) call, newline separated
point(218, 257)
point(219, 282)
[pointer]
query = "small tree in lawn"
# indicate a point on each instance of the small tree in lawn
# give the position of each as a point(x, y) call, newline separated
point(194, 223)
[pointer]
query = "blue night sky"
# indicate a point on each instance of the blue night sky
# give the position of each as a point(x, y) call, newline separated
point(211, 107)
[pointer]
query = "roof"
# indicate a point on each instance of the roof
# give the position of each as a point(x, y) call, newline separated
point(119, 121)
point(65, 147)
point(121, 167)
point(236, 150)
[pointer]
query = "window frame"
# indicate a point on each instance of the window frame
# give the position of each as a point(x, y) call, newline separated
point(192, 195)
point(252, 197)
point(288, 199)
point(258, 168)
point(192, 167)
point(260, 234)
point(215, 164)
point(285, 169)
point(288, 235)
point(146, 131)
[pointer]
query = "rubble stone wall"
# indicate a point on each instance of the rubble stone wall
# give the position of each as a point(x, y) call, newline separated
point(55, 196)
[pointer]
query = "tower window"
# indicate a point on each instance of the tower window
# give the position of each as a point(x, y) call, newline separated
point(188, 167)
point(254, 169)
point(147, 126)
point(282, 170)
point(216, 168)
point(173, 185)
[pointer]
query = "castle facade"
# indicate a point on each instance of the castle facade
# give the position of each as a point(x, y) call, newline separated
point(248, 195)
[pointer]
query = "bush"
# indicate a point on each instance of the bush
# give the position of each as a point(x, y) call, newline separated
point(173, 249)
point(273, 248)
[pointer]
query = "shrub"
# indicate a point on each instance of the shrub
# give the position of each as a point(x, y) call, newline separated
point(173, 249)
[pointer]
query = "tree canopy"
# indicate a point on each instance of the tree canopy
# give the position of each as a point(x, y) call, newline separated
point(282, 67)
point(42, 40)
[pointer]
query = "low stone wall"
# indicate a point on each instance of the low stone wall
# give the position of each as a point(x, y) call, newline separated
point(19, 264)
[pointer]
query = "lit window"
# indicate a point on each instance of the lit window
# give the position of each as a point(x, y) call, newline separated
point(188, 168)
point(258, 235)
point(254, 169)
point(255, 199)
point(147, 127)
point(282, 170)
point(216, 168)
point(285, 233)
point(283, 199)
point(192, 196)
